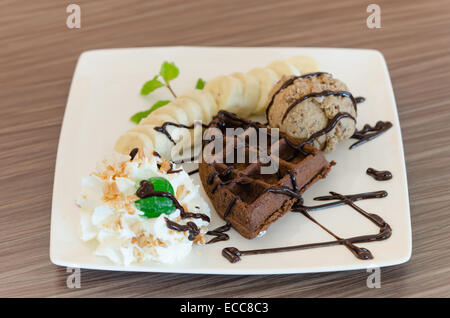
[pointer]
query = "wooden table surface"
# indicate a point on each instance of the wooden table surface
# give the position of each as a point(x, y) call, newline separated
point(38, 54)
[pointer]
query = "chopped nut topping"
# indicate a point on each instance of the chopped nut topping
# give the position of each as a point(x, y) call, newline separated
point(165, 165)
point(110, 191)
point(180, 195)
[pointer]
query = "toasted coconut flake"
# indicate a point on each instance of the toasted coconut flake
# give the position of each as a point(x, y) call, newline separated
point(136, 228)
point(138, 254)
point(181, 194)
point(145, 240)
point(161, 243)
point(199, 239)
point(110, 191)
point(165, 166)
point(142, 153)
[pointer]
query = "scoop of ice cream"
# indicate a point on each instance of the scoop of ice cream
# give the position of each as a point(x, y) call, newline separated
point(301, 106)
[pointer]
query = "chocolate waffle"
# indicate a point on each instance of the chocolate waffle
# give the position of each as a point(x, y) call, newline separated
point(240, 193)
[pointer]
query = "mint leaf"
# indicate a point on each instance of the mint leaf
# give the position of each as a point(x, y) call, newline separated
point(136, 118)
point(151, 85)
point(159, 104)
point(169, 71)
point(200, 84)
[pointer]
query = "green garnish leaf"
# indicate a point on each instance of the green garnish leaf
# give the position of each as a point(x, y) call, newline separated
point(155, 206)
point(151, 85)
point(200, 84)
point(169, 71)
point(136, 118)
point(159, 104)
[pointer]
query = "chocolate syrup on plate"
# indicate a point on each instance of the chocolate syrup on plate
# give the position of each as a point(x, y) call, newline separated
point(219, 233)
point(379, 175)
point(299, 207)
point(368, 132)
point(233, 254)
point(360, 99)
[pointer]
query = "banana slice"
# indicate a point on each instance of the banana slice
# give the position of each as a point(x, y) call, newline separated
point(181, 117)
point(205, 100)
point(267, 79)
point(228, 91)
point(192, 109)
point(206, 109)
point(162, 143)
point(283, 68)
point(250, 93)
point(158, 119)
point(174, 111)
point(131, 140)
point(304, 64)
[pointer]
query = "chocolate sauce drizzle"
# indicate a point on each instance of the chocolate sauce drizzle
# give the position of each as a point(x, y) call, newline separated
point(324, 93)
point(288, 83)
point(229, 207)
point(233, 254)
point(156, 154)
point(146, 190)
point(189, 226)
point(219, 233)
point(223, 174)
point(368, 132)
point(331, 124)
point(163, 128)
point(379, 175)
point(360, 252)
point(242, 179)
point(360, 99)
point(193, 172)
point(190, 159)
point(283, 190)
point(299, 207)
point(293, 180)
point(133, 153)
point(170, 171)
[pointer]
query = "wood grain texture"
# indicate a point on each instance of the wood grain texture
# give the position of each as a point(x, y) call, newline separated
point(37, 59)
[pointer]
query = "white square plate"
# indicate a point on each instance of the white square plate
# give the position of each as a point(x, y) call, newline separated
point(105, 93)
